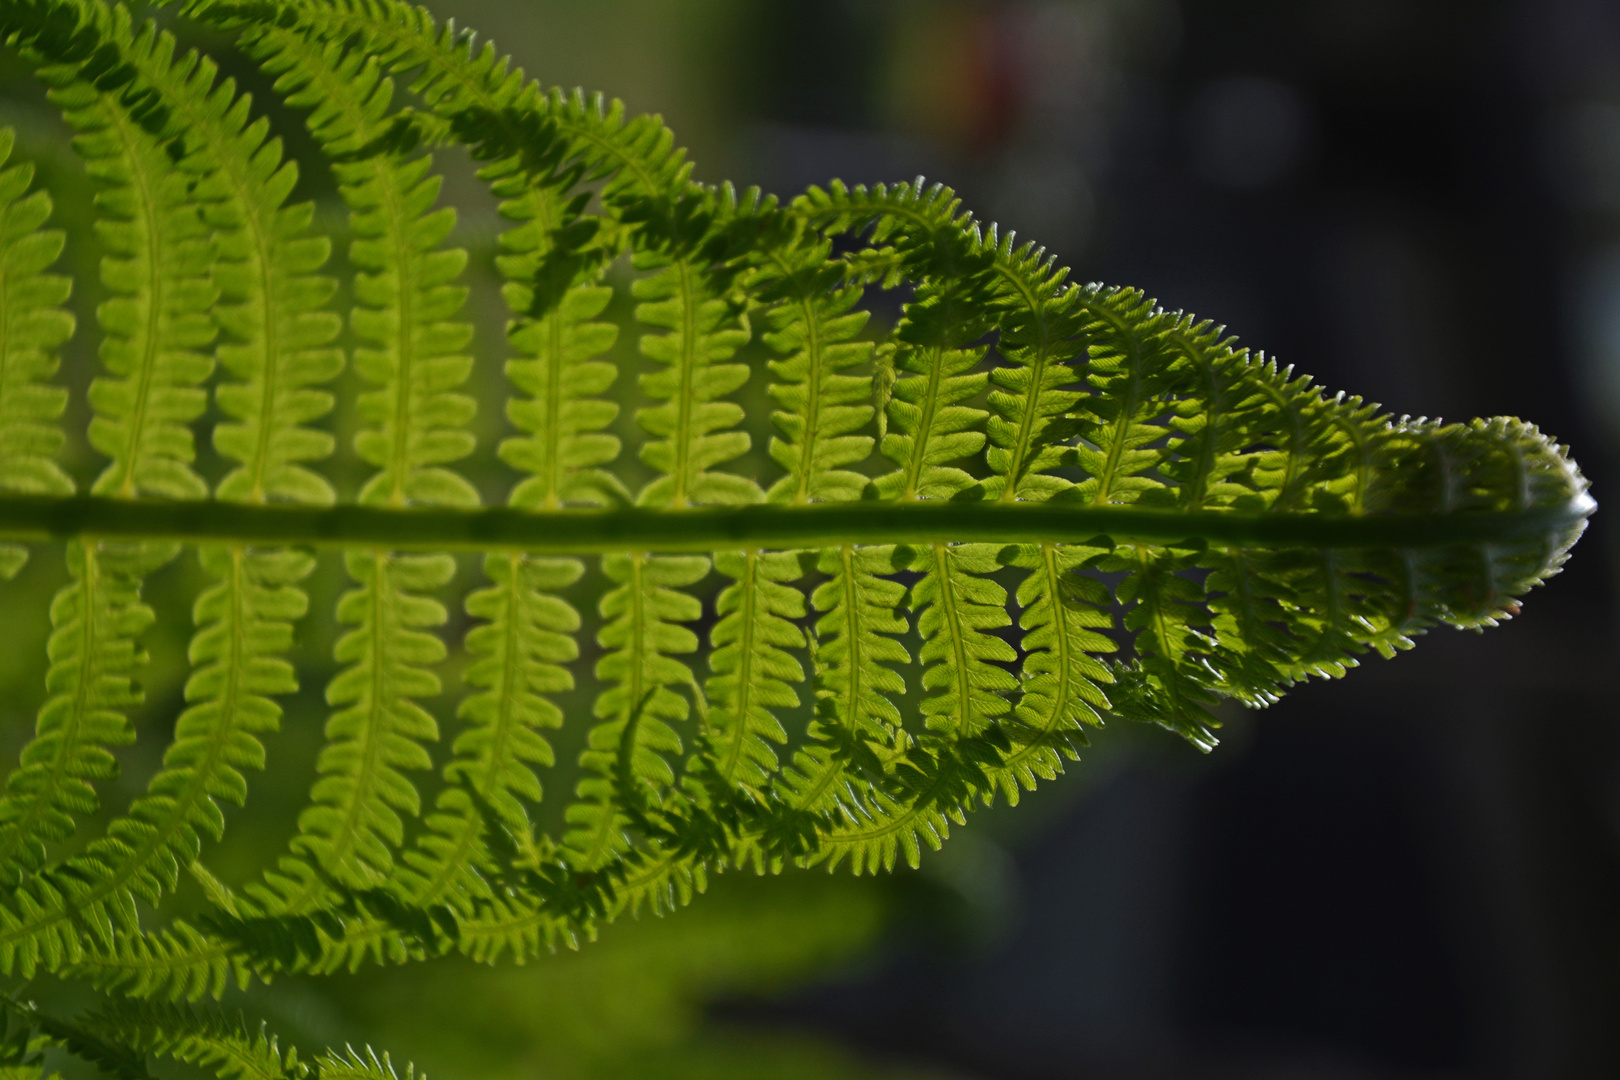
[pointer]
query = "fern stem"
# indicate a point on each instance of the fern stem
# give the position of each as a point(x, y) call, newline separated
point(812, 406)
point(682, 438)
point(705, 529)
point(961, 662)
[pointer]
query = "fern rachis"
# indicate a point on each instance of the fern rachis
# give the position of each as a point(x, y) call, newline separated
point(1011, 439)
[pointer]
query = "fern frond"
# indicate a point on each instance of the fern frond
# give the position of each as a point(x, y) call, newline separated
point(111, 1056)
point(553, 267)
point(914, 805)
point(1167, 607)
point(952, 761)
point(1082, 443)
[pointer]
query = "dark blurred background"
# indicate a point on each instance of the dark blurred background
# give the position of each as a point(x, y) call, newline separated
point(1415, 872)
point(1411, 873)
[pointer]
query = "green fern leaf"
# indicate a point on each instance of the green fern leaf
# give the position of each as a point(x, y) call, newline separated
point(1182, 523)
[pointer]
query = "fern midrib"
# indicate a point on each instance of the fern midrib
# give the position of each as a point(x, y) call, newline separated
point(177, 964)
point(958, 640)
point(224, 1057)
point(812, 402)
point(812, 383)
point(919, 807)
point(1246, 600)
point(272, 352)
point(554, 378)
point(624, 764)
point(925, 423)
point(683, 416)
point(713, 528)
point(229, 703)
point(852, 635)
point(1521, 477)
point(149, 349)
point(738, 735)
point(399, 460)
point(552, 438)
point(5, 314)
point(925, 426)
point(341, 844)
point(1197, 489)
